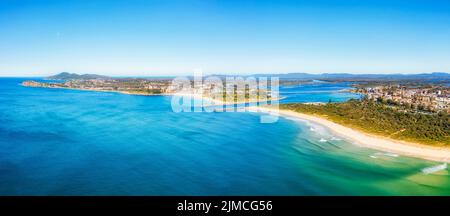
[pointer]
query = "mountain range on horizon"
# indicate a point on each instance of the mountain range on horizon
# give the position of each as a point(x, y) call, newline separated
point(71, 76)
point(434, 76)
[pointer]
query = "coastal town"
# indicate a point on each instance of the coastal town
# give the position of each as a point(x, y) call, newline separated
point(136, 86)
point(432, 98)
point(424, 98)
point(160, 86)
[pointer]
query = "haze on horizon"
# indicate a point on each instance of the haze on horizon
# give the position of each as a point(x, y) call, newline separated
point(174, 37)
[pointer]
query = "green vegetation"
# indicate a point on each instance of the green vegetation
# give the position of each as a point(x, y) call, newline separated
point(145, 91)
point(242, 96)
point(382, 119)
point(258, 96)
point(74, 76)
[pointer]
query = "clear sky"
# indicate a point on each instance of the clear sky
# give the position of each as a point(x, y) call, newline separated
point(163, 37)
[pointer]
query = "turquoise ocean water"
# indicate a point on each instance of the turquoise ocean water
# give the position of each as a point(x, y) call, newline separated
point(70, 142)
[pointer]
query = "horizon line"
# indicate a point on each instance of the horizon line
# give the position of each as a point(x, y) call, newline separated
point(225, 74)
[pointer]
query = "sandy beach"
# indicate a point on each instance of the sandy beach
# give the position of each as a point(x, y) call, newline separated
point(433, 153)
point(217, 102)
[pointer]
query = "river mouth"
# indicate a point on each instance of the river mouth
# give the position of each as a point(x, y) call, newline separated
point(65, 142)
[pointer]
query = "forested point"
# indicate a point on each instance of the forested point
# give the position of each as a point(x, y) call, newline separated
point(382, 119)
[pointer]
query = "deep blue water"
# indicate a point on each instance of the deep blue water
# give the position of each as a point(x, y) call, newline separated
point(70, 142)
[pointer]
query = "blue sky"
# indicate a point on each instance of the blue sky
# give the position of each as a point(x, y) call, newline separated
point(163, 37)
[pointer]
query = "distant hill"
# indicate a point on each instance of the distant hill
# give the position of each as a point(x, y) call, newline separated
point(427, 77)
point(435, 76)
point(72, 76)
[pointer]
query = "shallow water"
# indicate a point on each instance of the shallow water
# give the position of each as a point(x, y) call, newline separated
point(69, 142)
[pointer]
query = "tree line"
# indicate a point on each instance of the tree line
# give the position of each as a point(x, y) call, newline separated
point(383, 119)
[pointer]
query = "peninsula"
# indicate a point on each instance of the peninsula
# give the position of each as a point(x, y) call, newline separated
point(360, 137)
point(219, 94)
point(379, 126)
point(400, 118)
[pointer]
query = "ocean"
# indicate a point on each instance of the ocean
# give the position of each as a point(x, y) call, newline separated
point(70, 142)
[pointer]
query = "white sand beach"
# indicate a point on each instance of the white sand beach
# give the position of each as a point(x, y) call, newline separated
point(433, 153)
point(208, 101)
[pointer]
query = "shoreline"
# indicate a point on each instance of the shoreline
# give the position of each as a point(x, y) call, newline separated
point(215, 102)
point(433, 153)
point(98, 90)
